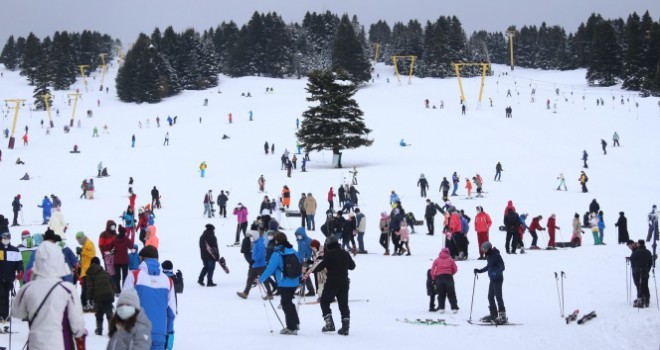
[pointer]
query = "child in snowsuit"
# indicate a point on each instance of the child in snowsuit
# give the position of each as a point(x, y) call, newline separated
point(430, 290)
point(385, 232)
point(404, 237)
point(442, 271)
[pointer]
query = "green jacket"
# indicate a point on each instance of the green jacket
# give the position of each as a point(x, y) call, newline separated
point(100, 286)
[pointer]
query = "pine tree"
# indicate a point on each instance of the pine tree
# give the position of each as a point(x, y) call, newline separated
point(8, 55)
point(335, 120)
point(31, 58)
point(634, 70)
point(348, 53)
point(62, 59)
point(604, 57)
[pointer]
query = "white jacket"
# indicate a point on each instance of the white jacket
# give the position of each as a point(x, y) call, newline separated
point(61, 307)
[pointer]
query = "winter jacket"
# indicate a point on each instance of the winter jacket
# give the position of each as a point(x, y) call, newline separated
point(259, 253)
point(455, 179)
point(46, 206)
point(396, 216)
point(57, 223)
point(157, 299)
point(430, 285)
point(348, 226)
point(468, 185)
point(551, 225)
point(594, 207)
point(430, 211)
point(304, 252)
point(241, 215)
point(601, 223)
point(121, 245)
point(129, 219)
point(275, 267)
point(138, 338)
point(641, 260)
point(208, 240)
point(444, 185)
point(535, 225)
point(134, 259)
point(577, 226)
point(512, 222)
point(361, 223)
point(301, 205)
point(100, 286)
point(443, 264)
point(16, 204)
point(482, 222)
point(222, 199)
point(384, 224)
point(310, 205)
point(88, 252)
point(353, 192)
point(622, 225)
point(107, 237)
point(152, 237)
point(60, 318)
point(11, 262)
point(422, 183)
point(455, 223)
point(331, 194)
point(495, 266)
point(337, 262)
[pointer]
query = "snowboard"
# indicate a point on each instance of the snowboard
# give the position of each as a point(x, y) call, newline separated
point(221, 260)
point(427, 322)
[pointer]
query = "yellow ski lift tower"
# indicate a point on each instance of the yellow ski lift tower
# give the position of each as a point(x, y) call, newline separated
point(75, 103)
point(511, 34)
point(377, 45)
point(412, 65)
point(484, 69)
point(82, 74)
point(18, 102)
point(104, 68)
point(46, 98)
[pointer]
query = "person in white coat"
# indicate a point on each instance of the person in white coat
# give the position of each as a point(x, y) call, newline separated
point(49, 304)
point(57, 223)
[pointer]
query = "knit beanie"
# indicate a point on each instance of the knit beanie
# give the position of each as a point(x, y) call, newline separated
point(129, 296)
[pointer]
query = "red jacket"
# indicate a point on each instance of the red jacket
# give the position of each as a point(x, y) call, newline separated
point(121, 245)
point(107, 237)
point(331, 194)
point(551, 225)
point(443, 265)
point(509, 206)
point(482, 222)
point(535, 225)
point(454, 223)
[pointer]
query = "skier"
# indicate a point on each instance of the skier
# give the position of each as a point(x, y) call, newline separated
point(482, 223)
point(241, 213)
point(155, 198)
point(603, 144)
point(495, 269)
point(455, 180)
point(208, 248)
point(641, 262)
point(585, 157)
point(337, 262)
point(552, 226)
point(653, 224)
point(615, 140)
point(512, 225)
point(423, 185)
point(583, 181)
point(498, 172)
point(262, 184)
point(258, 264)
point(622, 225)
point(468, 186)
point(286, 285)
point(533, 227)
point(202, 169)
point(562, 182)
point(208, 199)
point(16, 206)
point(444, 187)
point(443, 270)
point(479, 182)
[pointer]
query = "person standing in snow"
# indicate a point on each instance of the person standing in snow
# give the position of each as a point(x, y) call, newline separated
point(495, 269)
point(423, 185)
point(512, 225)
point(46, 207)
point(585, 157)
point(576, 237)
point(130, 326)
point(429, 215)
point(262, 184)
point(583, 181)
point(341, 193)
point(155, 198)
point(167, 139)
point(622, 225)
point(222, 203)
point(641, 262)
point(615, 140)
point(562, 182)
point(208, 248)
point(202, 169)
point(653, 224)
point(304, 254)
point(444, 187)
point(352, 194)
point(258, 264)
point(455, 180)
point(533, 227)
point(384, 225)
point(498, 172)
point(208, 200)
point(442, 272)
point(601, 227)
point(603, 144)
point(241, 213)
point(482, 223)
point(468, 187)
point(479, 182)
point(331, 198)
point(266, 147)
point(16, 206)
point(552, 226)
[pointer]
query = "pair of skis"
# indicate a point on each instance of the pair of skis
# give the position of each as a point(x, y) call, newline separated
point(427, 322)
point(584, 319)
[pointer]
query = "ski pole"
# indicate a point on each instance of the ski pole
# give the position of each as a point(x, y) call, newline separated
point(22, 221)
point(563, 302)
point(558, 296)
point(472, 303)
point(263, 298)
point(655, 283)
point(627, 282)
point(274, 309)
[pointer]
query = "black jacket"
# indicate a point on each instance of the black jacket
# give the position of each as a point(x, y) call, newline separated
point(16, 204)
point(641, 260)
point(208, 237)
point(512, 222)
point(154, 193)
point(423, 183)
point(222, 199)
point(430, 211)
point(444, 185)
point(495, 265)
point(341, 192)
point(594, 207)
point(246, 249)
point(10, 263)
point(337, 262)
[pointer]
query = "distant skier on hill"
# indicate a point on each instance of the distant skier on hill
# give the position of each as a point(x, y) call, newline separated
point(423, 185)
point(266, 147)
point(444, 187)
point(603, 144)
point(583, 181)
point(498, 172)
point(585, 157)
point(455, 180)
point(615, 140)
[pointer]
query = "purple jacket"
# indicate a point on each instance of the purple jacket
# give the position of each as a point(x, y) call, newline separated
point(241, 214)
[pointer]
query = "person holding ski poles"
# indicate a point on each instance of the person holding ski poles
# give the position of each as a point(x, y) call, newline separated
point(495, 269)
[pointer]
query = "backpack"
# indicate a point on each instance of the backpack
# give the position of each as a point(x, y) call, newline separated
point(291, 266)
point(586, 179)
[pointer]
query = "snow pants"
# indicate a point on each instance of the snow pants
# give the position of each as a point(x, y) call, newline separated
point(495, 294)
point(481, 238)
point(329, 294)
point(290, 313)
point(430, 225)
point(444, 284)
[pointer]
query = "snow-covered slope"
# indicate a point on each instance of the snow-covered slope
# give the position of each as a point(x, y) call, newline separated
point(534, 147)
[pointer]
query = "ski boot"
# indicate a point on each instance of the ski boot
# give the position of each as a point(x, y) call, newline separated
point(329, 324)
point(501, 318)
point(639, 303)
point(345, 323)
point(488, 319)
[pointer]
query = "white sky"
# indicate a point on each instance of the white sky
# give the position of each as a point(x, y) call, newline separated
point(125, 19)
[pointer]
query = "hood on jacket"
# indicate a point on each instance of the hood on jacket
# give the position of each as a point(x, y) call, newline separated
point(109, 224)
point(49, 262)
point(150, 266)
point(444, 253)
point(301, 232)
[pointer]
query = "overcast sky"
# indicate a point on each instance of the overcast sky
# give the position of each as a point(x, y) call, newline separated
point(125, 19)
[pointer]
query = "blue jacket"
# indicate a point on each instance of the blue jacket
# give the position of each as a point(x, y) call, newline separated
point(46, 205)
point(129, 219)
point(495, 265)
point(304, 250)
point(601, 223)
point(275, 265)
point(133, 259)
point(259, 253)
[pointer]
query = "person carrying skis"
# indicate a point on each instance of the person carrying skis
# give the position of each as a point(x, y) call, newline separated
point(552, 226)
point(423, 185)
point(495, 269)
point(443, 270)
point(482, 223)
point(498, 172)
point(444, 187)
point(286, 285)
point(562, 182)
point(337, 262)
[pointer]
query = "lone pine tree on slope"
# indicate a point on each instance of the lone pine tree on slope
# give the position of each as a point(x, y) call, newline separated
point(335, 122)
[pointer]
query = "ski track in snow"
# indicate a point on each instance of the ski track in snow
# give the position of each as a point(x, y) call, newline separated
point(533, 147)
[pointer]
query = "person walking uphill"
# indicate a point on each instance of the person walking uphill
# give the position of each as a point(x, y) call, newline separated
point(337, 262)
point(100, 289)
point(59, 322)
point(442, 272)
point(495, 269)
point(156, 294)
point(286, 284)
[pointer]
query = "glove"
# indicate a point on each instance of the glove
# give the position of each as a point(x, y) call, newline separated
point(80, 341)
point(476, 271)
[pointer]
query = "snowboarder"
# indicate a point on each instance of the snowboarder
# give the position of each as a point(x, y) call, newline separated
point(443, 270)
point(622, 225)
point(603, 144)
point(562, 182)
point(423, 185)
point(585, 157)
point(495, 269)
point(615, 140)
point(208, 248)
point(498, 172)
point(583, 181)
point(337, 262)
point(653, 224)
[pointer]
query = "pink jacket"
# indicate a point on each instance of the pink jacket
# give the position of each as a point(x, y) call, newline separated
point(404, 232)
point(443, 265)
point(482, 222)
point(241, 214)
